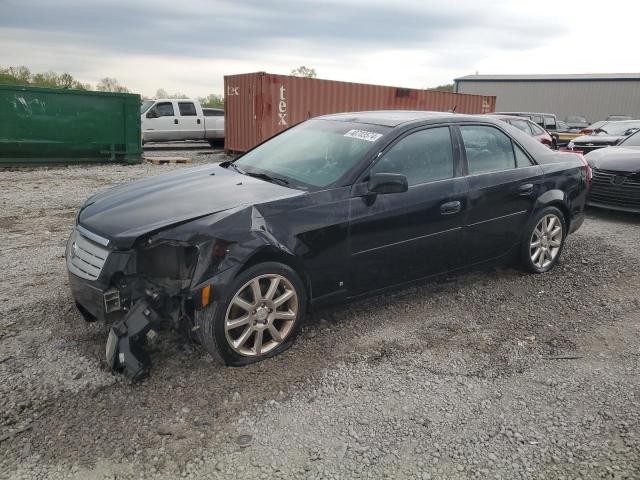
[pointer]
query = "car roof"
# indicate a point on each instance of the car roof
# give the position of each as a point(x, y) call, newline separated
point(506, 117)
point(394, 118)
point(525, 113)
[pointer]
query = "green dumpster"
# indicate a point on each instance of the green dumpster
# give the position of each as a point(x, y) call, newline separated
point(51, 125)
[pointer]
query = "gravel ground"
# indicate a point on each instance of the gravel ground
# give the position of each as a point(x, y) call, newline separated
point(488, 374)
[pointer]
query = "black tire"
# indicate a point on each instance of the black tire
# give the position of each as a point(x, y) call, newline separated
point(211, 320)
point(526, 249)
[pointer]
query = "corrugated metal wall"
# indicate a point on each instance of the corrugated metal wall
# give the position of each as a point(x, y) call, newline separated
point(593, 99)
point(259, 105)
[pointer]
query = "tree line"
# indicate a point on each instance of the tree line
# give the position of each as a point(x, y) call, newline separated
point(23, 76)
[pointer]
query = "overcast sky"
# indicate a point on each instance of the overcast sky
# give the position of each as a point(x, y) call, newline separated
point(189, 45)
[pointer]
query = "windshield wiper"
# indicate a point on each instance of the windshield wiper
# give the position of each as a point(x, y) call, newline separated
point(235, 167)
point(268, 178)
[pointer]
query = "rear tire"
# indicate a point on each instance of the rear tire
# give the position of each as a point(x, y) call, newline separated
point(259, 317)
point(543, 240)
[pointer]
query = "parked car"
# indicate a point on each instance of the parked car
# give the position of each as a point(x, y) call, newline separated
point(528, 127)
point(167, 119)
point(618, 118)
point(576, 122)
point(609, 134)
point(548, 121)
point(616, 176)
point(335, 208)
point(594, 126)
point(565, 134)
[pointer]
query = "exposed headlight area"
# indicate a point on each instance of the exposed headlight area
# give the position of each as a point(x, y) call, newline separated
point(156, 288)
point(169, 260)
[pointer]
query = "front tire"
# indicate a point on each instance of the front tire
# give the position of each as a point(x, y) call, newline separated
point(543, 240)
point(260, 316)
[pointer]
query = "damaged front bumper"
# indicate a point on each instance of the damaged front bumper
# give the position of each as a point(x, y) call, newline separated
point(120, 292)
point(125, 344)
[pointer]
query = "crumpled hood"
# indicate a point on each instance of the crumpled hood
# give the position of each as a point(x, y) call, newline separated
point(621, 159)
point(124, 213)
point(597, 139)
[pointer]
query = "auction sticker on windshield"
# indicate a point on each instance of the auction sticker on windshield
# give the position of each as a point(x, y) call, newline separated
point(363, 135)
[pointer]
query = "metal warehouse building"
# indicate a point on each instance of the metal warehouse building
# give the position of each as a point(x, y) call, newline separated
point(594, 96)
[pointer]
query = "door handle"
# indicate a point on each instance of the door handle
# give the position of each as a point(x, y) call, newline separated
point(198, 121)
point(450, 208)
point(525, 189)
point(175, 121)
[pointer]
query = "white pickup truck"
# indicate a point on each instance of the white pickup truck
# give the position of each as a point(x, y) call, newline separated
point(170, 119)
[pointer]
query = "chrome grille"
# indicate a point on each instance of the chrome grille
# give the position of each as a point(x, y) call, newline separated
point(605, 190)
point(85, 258)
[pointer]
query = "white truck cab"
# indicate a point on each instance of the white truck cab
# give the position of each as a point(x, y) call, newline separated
point(171, 119)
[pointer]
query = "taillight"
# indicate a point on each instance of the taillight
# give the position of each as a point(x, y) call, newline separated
point(589, 175)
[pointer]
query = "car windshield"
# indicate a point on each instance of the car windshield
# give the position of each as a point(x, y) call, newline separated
point(597, 125)
point(632, 140)
point(576, 120)
point(316, 153)
point(145, 106)
point(619, 128)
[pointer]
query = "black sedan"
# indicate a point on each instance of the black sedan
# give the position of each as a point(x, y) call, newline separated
point(332, 209)
point(616, 176)
point(609, 134)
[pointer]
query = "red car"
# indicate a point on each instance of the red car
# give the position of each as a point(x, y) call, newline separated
point(528, 127)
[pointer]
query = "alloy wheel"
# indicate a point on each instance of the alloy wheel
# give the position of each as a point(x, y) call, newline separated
point(546, 241)
point(261, 315)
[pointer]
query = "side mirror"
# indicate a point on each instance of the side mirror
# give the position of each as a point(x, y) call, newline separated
point(387, 183)
point(152, 114)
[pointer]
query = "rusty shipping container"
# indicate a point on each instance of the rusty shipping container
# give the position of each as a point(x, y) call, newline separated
point(259, 105)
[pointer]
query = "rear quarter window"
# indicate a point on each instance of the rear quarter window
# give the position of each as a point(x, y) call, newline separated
point(536, 129)
point(521, 125)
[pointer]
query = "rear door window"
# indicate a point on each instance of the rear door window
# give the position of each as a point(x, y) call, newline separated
point(423, 156)
point(487, 148)
point(187, 109)
point(522, 160)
